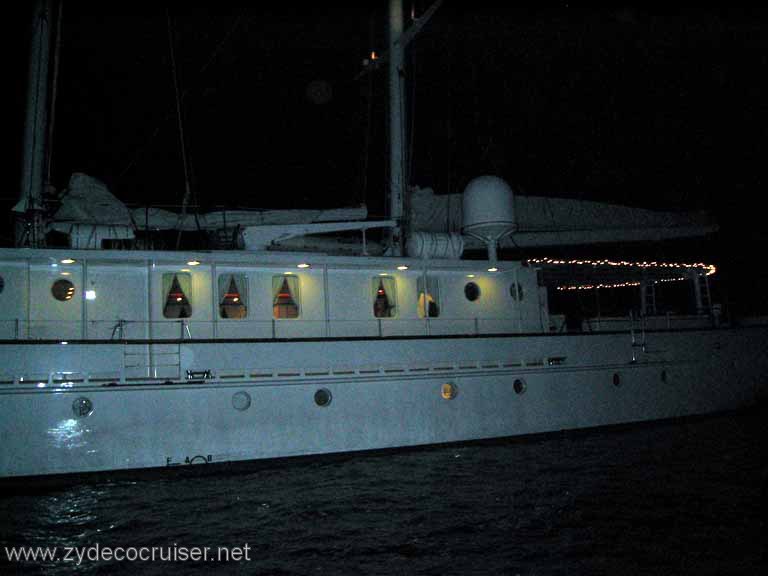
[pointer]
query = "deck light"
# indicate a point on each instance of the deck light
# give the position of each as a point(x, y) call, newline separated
point(193, 263)
point(470, 275)
point(402, 267)
point(493, 269)
point(68, 261)
point(302, 265)
point(90, 294)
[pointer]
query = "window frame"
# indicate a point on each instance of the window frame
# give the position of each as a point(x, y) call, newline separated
point(390, 293)
point(241, 283)
point(423, 285)
point(295, 295)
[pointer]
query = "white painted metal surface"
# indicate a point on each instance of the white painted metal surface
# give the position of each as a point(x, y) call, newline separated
point(384, 394)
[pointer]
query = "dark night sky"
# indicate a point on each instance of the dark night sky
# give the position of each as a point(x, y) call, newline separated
point(650, 107)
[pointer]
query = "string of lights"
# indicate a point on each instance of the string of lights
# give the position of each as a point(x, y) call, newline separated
point(614, 285)
point(700, 267)
point(709, 269)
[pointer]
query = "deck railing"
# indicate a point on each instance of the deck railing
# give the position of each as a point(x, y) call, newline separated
point(186, 329)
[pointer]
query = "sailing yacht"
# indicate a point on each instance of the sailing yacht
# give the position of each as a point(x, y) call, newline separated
point(294, 343)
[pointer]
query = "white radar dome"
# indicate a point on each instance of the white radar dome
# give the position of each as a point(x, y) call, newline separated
point(488, 208)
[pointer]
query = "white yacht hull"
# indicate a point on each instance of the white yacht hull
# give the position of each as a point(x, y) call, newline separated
point(259, 401)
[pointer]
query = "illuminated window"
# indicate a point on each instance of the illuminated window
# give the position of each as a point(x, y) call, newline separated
point(176, 288)
point(285, 296)
point(429, 303)
point(384, 297)
point(63, 290)
point(233, 296)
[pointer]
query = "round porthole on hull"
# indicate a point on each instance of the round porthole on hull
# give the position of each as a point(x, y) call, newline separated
point(616, 379)
point(82, 407)
point(449, 391)
point(241, 401)
point(323, 397)
point(519, 386)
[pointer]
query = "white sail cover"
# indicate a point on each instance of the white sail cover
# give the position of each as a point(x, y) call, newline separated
point(544, 221)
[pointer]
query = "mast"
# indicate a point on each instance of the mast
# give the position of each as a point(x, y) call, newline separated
point(396, 150)
point(33, 178)
point(399, 38)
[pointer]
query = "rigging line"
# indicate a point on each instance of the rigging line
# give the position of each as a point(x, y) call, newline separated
point(182, 140)
point(367, 141)
point(368, 122)
point(184, 94)
point(410, 119)
point(54, 91)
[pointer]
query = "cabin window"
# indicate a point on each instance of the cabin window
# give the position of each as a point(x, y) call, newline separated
point(516, 291)
point(384, 297)
point(285, 296)
point(2, 284)
point(63, 290)
point(429, 299)
point(472, 291)
point(177, 288)
point(233, 296)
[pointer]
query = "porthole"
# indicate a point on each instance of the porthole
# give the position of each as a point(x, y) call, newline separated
point(616, 379)
point(472, 291)
point(241, 401)
point(449, 391)
point(323, 397)
point(516, 291)
point(63, 290)
point(2, 284)
point(519, 386)
point(82, 407)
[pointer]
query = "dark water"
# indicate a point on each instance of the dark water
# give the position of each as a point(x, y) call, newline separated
point(682, 497)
